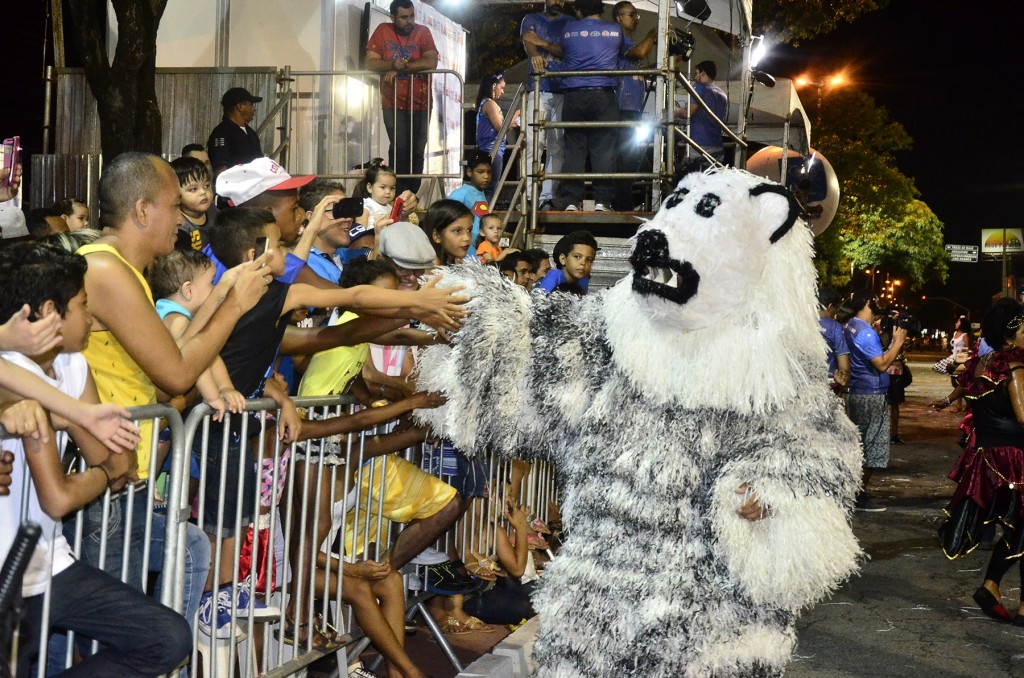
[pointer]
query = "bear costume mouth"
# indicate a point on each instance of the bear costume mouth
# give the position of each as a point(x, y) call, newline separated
point(656, 273)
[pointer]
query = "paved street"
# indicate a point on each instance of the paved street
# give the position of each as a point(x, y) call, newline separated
point(910, 611)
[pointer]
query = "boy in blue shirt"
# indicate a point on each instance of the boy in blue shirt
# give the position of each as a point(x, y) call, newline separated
point(471, 192)
point(574, 256)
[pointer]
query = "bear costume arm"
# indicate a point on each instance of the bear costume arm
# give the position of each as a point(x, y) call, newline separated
point(484, 372)
point(805, 471)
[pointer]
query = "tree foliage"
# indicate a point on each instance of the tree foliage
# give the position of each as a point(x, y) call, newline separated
point(796, 20)
point(880, 221)
point(125, 87)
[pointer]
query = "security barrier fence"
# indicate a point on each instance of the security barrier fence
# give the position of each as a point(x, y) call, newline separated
point(276, 524)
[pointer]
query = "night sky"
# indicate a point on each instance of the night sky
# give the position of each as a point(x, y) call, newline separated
point(950, 72)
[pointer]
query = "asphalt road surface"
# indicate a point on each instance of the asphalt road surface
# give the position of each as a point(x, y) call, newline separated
point(909, 612)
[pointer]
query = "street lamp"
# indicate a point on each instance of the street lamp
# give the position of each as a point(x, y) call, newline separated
point(833, 81)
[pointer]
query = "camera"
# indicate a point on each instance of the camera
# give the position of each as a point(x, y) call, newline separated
point(347, 208)
point(680, 44)
point(907, 322)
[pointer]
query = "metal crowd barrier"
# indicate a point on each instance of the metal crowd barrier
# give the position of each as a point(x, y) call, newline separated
point(116, 533)
point(338, 118)
point(283, 546)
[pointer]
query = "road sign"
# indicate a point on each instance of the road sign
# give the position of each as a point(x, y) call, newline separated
point(963, 253)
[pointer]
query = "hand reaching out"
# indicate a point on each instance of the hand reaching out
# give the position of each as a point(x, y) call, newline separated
point(750, 510)
point(30, 337)
point(111, 425)
point(25, 418)
point(440, 308)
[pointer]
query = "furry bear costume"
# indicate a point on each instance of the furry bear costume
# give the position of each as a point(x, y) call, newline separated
point(701, 371)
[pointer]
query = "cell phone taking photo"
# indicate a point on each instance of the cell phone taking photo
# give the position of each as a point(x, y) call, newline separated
point(261, 246)
point(347, 208)
point(396, 212)
point(12, 149)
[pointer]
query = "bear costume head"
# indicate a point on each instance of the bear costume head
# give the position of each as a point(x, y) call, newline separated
point(722, 295)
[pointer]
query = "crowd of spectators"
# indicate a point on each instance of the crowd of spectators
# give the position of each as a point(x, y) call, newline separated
point(175, 300)
point(218, 278)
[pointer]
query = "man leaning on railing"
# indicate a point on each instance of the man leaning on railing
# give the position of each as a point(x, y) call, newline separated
point(396, 50)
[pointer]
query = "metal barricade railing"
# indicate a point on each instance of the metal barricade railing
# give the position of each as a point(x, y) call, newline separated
point(339, 122)
point(299, 508)
point(122, 533)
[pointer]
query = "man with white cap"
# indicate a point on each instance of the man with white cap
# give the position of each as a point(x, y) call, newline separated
point(233, 142)
point(264, 183)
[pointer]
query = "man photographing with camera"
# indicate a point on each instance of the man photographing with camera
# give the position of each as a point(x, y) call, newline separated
point(866, 404)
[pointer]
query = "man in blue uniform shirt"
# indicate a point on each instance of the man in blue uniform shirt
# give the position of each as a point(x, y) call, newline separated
point(866, 404)
point(547, 27)
point(589, 44)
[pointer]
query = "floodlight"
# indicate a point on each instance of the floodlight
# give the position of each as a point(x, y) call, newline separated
point(643, 133)
point(766, 79)
point(758, 50)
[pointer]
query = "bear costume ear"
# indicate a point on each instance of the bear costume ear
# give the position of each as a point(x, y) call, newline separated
point(776, 206)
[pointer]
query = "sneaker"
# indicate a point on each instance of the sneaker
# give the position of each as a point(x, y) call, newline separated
point(571, 208)
point(413, 583)
point(866, 503)
point(247, 607)
point(546, 206)
point(206, 612)
point(601, 207)
point(358, 671)
point(429, 556)
point(446, 580)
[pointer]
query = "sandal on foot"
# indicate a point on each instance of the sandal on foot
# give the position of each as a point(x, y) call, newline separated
point(298, 635)
point(474, 624)
point(333, 636)
point(452, 627)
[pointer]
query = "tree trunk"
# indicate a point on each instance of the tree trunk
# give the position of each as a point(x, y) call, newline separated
point(125, 90)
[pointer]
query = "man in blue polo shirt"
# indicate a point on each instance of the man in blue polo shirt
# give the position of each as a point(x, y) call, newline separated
point(705, 132)
point(632, 89)
point(324, 255)
point(866, 405)
point(546, 27)
point(589, 44)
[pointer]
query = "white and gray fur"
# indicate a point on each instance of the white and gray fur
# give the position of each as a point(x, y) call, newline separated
point(654, 411)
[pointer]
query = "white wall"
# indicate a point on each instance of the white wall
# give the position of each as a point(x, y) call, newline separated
point(262, 33)
point(187, 34)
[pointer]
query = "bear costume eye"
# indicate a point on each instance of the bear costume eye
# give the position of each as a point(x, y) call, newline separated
point(706, 206)
point(677, 197)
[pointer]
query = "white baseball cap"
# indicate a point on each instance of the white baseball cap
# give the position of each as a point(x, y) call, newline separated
point(242, 183)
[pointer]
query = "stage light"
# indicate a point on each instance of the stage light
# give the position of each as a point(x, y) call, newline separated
point(757, 51)
point(643, 133)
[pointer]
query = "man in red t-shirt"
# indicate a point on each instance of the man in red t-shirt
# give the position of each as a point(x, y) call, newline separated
point(397, 50)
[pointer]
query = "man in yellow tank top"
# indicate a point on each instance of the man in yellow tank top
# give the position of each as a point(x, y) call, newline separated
point(131, 353)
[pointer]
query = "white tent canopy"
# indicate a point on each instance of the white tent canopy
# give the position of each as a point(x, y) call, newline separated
point(770, 110)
